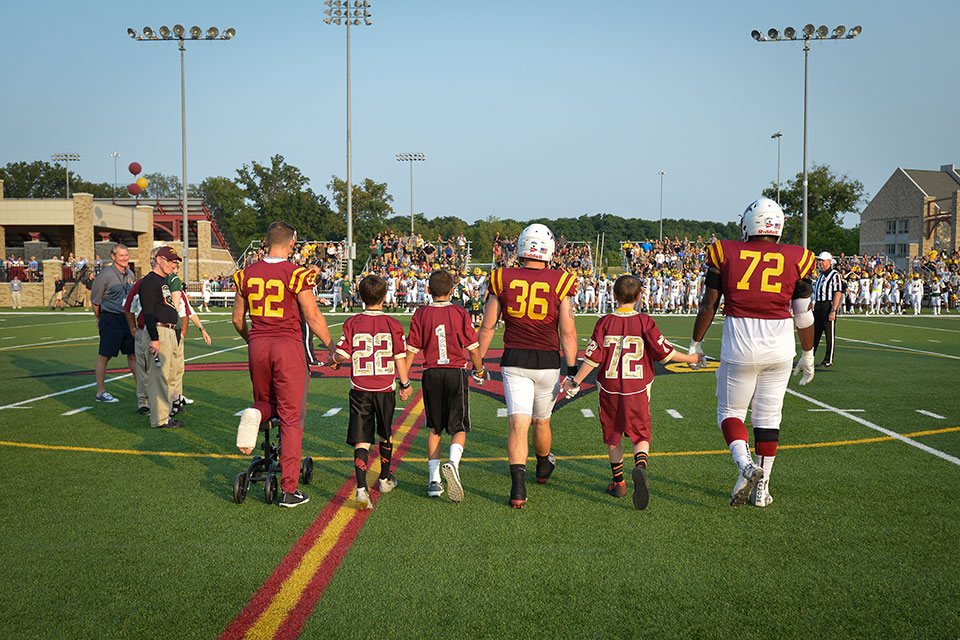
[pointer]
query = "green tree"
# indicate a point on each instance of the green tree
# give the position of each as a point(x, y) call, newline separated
point(44, 180)
point(164, 186)
point(225, 201)
point(829, 197)
point(371, 208)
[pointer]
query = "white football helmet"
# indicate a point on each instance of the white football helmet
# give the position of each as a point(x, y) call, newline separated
point(536, 243)
point(763, 217)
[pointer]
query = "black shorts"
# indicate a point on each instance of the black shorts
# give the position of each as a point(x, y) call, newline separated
point(446, 399)
point(371, 413)
point(115, 335)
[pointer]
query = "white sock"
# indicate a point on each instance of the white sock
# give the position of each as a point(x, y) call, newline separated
point(434, 466)
point(456, 452)
point(766, 463)
point(741, 453)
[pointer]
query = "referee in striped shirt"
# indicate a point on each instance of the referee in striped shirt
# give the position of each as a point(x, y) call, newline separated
point(827, 295)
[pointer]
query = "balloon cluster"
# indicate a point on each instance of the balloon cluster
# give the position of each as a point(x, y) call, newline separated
point(140, 184)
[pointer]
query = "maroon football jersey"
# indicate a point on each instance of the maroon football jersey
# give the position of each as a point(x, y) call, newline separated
point(129, 306)
point(624, 346)
point(372, 341)
point(759, 277)
point(443, 332)
point(270, 288)
point(530, 299)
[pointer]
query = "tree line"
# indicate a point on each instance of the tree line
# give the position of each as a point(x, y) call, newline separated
point(244, 205)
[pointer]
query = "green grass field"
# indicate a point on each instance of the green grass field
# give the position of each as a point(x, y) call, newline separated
point(116, 530)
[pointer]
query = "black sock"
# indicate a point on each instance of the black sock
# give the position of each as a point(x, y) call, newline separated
point(543, 465)
point(640, 459)
point(386, 453)
point(617, 468)
point(360, 457)
point(517, 475)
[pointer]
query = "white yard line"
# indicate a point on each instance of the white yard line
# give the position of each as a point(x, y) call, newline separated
point(90, 320)
point(931, 414)
point(43, 344)
point(502, 412)
point(674, 413)
point(332, 412)
point(894, 324)
point(75, 411)
point(587, 413)
point(870, 425)
point(893, 346)
point(846, 410)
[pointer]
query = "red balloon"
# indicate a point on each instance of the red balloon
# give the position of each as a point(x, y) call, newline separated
point(135, 168)
point(133, 188)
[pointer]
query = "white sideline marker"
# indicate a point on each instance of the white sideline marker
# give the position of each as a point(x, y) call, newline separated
point(332, 412)
point(930, 340)
point(587, 413)
point(75, 411)
point(847, 410)
point(931, 414)
point(895, 340)
point(674, 413)
point(502, 412)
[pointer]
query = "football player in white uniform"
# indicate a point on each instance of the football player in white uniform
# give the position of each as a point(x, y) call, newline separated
point(853, 292)
point(390, 300)
point(917, 286)
point(935, 290)
point(876, 293)
point(864, 300)
point(605, 289)
point(590, 295)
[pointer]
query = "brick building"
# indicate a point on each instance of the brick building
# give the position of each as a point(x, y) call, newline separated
point(915, 212)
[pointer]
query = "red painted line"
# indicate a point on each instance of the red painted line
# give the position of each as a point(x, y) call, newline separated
point(271, 587)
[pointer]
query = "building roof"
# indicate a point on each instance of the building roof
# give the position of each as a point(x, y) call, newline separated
point(937, 184)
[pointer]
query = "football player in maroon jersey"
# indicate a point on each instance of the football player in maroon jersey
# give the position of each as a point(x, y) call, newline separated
point(535, 303)
point(444, 334)
point(274, 292)
point(373, 343)
point(624, 346)
point(760, 280)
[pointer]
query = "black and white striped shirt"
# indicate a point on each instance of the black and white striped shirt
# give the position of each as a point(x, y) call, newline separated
point(828, 283)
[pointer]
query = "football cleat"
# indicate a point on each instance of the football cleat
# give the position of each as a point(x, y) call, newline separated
point(552, 464)
point(452, 476)
point(363, 499)
point(617, 489)
point(518, 503)
point(747, 479)
point(294, 499)
point(641, 493)
point(761, 494)
point(388, 484)
point(434, 489)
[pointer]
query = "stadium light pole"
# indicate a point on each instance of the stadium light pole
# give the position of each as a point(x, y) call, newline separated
point(66, 158)
point(179, 34)
point(778, 135)
point(411, 158)
point(661, 174)
point(115, 156)
point(339, 12)
point(809, 33)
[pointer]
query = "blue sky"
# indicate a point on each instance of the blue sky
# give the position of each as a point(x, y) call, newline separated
point(523, 109)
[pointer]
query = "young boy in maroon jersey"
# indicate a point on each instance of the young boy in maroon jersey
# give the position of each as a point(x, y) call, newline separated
point(374, 345)
point(625, 345)
point(445, 335)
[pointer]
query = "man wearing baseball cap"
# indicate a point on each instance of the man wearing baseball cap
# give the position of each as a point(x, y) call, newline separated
point(160, 320)
point(827, 295)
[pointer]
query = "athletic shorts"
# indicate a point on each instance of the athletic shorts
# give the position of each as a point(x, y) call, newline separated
point(530, 392)
point(446, 399)
point(620, 414)
point(115, 335)
point(371, 414)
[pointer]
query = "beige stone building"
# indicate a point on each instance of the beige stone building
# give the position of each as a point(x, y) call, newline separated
point(914, 213)
point(51, 227)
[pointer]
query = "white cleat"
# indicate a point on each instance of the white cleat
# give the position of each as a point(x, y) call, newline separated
point(747, 479)
point(388, 484)
point(363, 499)
point(761, 494)
point(452, 476)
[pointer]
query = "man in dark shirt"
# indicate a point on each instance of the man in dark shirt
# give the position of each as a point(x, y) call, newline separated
point(160, 320)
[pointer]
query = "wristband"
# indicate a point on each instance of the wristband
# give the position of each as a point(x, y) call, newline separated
point(404, 385)
point(479, 372)
point(571, 370)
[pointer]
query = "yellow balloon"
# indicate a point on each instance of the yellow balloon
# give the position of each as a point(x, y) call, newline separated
point(143, 182)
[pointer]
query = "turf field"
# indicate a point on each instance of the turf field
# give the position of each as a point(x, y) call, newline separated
point(110, 529)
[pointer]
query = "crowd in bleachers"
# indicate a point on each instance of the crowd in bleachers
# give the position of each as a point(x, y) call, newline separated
point(31, 270)
point(328, 256)
point(568, 255)
point(390, 251)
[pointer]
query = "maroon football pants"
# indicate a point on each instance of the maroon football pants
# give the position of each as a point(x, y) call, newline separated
point(278, 371)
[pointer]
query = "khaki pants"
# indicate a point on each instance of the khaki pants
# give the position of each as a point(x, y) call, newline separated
point(176, 382)
point(15, 295)
point(159, 378)
point(86, 298)
point(141, 344)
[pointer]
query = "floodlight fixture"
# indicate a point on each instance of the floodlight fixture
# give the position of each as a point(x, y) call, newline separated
point(809, 33)
point(178, 36)
point(65, 158)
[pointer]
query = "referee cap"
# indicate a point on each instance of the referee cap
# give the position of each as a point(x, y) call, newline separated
point(826, 255)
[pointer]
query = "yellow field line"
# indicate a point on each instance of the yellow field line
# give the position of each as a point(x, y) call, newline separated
point(270, 620)
point(404, 428)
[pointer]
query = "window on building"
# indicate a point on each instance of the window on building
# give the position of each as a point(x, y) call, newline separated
point(903, 249)
point(891, 226)
point(903, 226)
point(891, 249)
